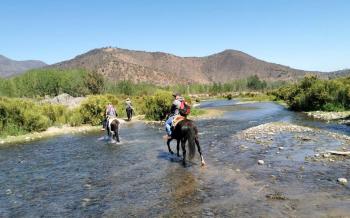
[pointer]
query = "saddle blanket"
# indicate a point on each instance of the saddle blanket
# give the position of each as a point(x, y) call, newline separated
point(177, 119)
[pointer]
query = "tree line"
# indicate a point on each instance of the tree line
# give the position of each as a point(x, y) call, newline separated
point(79, 82)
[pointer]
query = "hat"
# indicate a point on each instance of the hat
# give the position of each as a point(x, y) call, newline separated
point(176, 94)
point(128, 99)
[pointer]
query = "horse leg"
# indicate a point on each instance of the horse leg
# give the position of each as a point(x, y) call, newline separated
point(108, 132)
point(178, 147)
point(117, 133)
point(199, 151)
point(168, 144)
point(183, 146)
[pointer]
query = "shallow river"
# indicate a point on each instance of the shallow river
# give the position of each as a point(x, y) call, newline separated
point(83, 176)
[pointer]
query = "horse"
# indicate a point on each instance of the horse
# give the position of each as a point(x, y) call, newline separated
point(186, 131)
point(113, 129)
point(129, 112)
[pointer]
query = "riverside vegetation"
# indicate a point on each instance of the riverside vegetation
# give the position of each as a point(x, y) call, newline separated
point(22, 111)
point(312, 93)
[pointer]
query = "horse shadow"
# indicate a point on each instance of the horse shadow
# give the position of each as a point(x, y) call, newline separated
point(165, 155)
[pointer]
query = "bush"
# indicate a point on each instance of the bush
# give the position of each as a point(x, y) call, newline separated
point(75, 118)
point(21, 116)
point(312, 93)
point(254, 83)
point(157, 107)
point(32, 121)
point(229, 96)
point(94, 82)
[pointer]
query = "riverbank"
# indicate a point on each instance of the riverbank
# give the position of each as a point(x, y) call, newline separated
point(342, 117)
point(66, 129)
point(50, 132)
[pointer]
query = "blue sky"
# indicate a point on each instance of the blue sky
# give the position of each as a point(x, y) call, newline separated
point(304, 34)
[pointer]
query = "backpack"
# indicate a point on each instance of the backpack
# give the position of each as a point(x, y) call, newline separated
point(185, 109)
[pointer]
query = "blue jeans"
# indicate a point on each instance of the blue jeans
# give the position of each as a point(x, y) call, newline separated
point(168, 125)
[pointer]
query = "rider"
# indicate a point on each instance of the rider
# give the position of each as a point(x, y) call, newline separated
point(110, 113)
point(173, 112)
point(128, 106)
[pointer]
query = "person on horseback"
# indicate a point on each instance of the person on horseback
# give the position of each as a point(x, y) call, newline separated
point(174, 111)
point(129, 108)
point(110, 113)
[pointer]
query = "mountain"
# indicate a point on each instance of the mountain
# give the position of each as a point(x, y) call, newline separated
point(10, 67)
point(164, 69)
point(339, 73)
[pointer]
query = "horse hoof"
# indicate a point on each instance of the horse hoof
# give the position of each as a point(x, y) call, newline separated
point(202, 163)
point(171, 152)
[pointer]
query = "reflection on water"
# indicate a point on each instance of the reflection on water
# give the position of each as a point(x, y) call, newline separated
point(80, 175)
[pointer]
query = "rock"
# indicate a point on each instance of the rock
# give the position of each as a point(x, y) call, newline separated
point(280, 148)
point(2, 142)
point(342, 181)
point(278, 152)
point(8, 191)
point(88, 186)
point(238, 170)
point(326, 155)
point(317, 155)
point(302, 168)
point(243, 147)
point(261, 162)
point(27, 138)
point(305, 139)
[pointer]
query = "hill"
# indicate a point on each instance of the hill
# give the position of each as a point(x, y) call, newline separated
point(10, 67)
point(163, 68)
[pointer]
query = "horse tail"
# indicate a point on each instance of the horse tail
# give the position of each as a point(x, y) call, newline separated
point(190, 136)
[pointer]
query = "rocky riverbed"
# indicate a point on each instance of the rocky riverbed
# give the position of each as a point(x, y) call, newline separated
point(342, 117)
point(274, 135)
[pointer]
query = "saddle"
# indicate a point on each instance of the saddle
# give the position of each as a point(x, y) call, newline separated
point(177, 119)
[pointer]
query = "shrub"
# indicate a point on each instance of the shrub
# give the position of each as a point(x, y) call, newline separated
point(32, 121)
point(94, 82)
point(75, 118)
point(157, 107)
point(312, 93)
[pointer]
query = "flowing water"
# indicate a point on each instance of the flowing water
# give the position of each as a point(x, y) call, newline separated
point(83, 176)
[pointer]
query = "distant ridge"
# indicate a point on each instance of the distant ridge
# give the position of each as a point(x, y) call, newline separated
point(166, 69)
point(10, 67)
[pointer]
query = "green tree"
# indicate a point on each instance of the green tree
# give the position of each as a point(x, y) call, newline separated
point(94, 82)
point(254, 83)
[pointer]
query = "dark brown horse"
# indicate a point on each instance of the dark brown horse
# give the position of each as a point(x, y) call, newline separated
point(186, 131)
point(129, 113)
point(113, 129)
